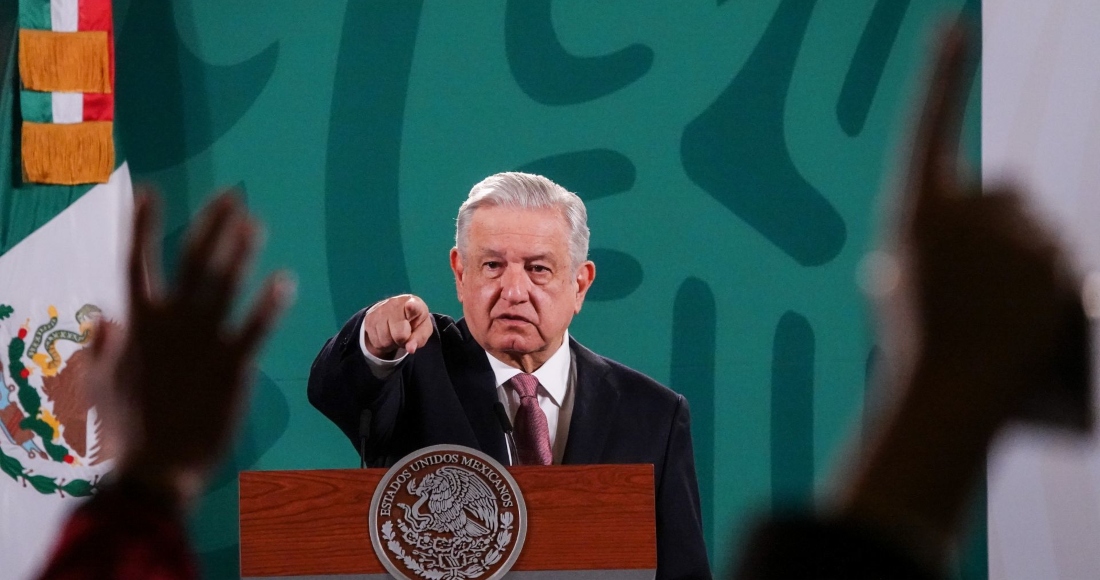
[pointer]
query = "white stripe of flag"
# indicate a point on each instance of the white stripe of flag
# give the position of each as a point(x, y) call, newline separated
point(64, 16)
point(68, 107)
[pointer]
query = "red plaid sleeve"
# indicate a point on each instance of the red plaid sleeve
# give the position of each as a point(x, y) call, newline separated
point(123, 533)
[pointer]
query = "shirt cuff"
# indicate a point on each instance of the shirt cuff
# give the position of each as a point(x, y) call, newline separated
point(380, 368)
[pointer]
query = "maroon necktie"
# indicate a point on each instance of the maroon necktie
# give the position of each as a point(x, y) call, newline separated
point(532, 433)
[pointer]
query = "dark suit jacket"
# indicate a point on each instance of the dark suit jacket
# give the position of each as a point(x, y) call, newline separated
point(444, 394)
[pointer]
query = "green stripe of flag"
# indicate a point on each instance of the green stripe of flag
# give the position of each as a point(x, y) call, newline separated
point(36, 106)
point(35, 14)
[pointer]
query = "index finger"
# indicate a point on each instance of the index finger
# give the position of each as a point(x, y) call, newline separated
point(276, 295)
point(421, 332)
point(143, 268)
point(933, 167)
point(415, 309)
point(206, 235)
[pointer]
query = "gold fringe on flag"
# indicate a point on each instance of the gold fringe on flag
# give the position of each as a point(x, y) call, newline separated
point(75, 62)
point(68, 154)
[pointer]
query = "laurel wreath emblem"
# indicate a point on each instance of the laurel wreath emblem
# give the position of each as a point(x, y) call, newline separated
point(43, 484)
point(438, 557)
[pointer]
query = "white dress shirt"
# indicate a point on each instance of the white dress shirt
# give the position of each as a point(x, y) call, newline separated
point(557, 380)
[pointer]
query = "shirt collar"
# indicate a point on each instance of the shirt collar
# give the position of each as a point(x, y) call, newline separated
point(553, 375)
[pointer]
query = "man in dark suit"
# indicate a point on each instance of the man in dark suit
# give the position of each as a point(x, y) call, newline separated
point(521, 272)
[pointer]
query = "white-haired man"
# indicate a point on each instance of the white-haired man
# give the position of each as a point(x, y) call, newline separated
point(521, 272)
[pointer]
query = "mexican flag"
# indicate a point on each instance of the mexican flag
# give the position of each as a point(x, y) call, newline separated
point(65, 211)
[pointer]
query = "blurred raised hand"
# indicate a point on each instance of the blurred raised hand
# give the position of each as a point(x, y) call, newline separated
point(983, 324)
point(171, 383)
point(989, 287)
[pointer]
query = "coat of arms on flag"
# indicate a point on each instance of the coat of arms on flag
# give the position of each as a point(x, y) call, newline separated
point(63, 238)
point(44, 410)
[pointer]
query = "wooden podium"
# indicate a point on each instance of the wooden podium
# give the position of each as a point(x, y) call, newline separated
point(583, 521)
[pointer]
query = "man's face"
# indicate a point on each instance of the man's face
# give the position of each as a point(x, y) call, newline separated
point(516, 283)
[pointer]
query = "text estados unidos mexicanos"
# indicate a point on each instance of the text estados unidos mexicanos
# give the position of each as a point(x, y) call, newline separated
point(488, 472)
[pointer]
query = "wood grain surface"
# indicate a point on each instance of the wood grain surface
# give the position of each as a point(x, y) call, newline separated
point(579, 517)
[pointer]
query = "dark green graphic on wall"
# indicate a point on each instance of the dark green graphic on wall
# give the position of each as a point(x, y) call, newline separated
point(730, 154)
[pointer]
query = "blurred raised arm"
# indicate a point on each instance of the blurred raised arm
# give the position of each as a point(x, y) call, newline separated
point(169, 386)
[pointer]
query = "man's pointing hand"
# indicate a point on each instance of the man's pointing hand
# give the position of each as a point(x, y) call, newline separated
point(399, 322)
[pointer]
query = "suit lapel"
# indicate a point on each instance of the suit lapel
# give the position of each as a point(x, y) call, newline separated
point(594, 402)
point(475, 385)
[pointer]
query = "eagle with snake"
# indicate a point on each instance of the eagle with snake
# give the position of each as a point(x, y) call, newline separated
point(458, 502)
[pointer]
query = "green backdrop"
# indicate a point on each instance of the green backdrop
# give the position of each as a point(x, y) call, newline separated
point(731, 154)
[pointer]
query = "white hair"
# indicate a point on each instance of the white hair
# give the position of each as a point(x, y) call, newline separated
point(526, 191)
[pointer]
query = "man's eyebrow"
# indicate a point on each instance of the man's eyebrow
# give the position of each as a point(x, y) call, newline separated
point(483, 253)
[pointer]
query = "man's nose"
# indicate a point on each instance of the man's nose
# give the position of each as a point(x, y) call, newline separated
point(515, 284)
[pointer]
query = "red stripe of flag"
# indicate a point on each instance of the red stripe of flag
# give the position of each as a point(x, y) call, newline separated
point(99, 107)
point(96, 15)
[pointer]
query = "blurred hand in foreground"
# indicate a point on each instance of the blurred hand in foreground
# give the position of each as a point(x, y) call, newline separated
point(975, 327)
point(985, 291)
point(171, 384)
point(981, 323)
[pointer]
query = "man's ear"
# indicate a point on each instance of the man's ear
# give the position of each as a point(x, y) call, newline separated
point(586, 274)
point(456, 267)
